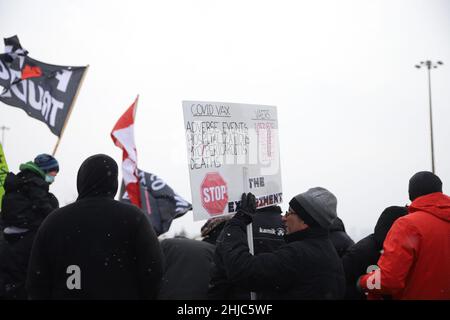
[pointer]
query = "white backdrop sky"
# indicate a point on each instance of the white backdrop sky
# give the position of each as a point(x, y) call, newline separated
point(353, 110)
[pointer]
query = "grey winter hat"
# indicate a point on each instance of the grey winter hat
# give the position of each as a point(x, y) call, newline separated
point(320, 204)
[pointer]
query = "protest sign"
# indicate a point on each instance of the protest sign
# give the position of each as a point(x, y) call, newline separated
point(232, 148)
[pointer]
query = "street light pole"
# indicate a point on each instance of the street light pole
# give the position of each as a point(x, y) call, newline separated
point(431, 114)
point(429, 64)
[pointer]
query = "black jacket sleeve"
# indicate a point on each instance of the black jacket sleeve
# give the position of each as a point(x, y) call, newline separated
point(355, 261)
point(39, 269)
point(266, 271)
point(149, 260)
point(42, 201)
point(219, 286)
point(341, 242)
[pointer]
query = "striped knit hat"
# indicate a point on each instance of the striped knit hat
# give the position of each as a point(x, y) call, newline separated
point(46, 163)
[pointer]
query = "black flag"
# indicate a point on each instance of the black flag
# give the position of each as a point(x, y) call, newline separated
point(159, 201)
point(44, 91)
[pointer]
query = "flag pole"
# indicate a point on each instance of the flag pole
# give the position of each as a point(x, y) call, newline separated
point(70, 111)
point(135, 108)
point(137, 170)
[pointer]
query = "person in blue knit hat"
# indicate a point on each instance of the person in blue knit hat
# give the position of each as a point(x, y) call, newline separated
point(49, 165)
point(26, 203)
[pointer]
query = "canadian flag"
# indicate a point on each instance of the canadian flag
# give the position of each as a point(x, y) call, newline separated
point(123, 137)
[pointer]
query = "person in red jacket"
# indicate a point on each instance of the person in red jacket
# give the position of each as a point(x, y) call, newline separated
point(415, 263)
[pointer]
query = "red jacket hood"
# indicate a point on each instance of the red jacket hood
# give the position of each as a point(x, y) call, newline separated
point(437, 204)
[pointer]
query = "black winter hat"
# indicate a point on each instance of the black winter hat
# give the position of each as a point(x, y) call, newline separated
point(385, 222)
point(97, 177)
point(423, 183)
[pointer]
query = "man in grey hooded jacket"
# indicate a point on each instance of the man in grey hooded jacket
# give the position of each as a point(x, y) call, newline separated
point(306, 267)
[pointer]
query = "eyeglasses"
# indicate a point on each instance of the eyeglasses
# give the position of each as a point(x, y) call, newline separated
point(288, 213)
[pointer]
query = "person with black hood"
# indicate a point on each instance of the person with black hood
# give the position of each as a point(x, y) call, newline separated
point(96, 247)
point(415, 263)
point(306, 267)
point(188, 263)
point(340, 239)
point(268, 233)
point(26, 203)
point(367, 251)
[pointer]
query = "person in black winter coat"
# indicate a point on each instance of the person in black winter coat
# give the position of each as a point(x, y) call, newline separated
point(268, 232)
point(340, 239)
point(26, 203)
point(187, 264)
point(97, 247)
point(306, 267)
point(367, 251)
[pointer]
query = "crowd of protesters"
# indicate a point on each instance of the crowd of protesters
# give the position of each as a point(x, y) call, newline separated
point(100, 248)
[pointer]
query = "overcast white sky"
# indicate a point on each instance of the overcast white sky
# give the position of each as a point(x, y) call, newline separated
point(352, 109)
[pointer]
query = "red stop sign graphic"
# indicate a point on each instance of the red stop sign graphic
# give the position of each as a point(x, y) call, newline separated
point(214, 193)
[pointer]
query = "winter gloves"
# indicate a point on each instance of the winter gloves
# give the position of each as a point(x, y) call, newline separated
point(247, 208)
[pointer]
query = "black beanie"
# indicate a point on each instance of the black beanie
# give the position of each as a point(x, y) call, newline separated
point(385, 222)
point(301, 212)
point(423, 183)
point(97, 177)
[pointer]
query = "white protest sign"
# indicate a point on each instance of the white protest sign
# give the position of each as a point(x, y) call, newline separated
point(232, 148)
